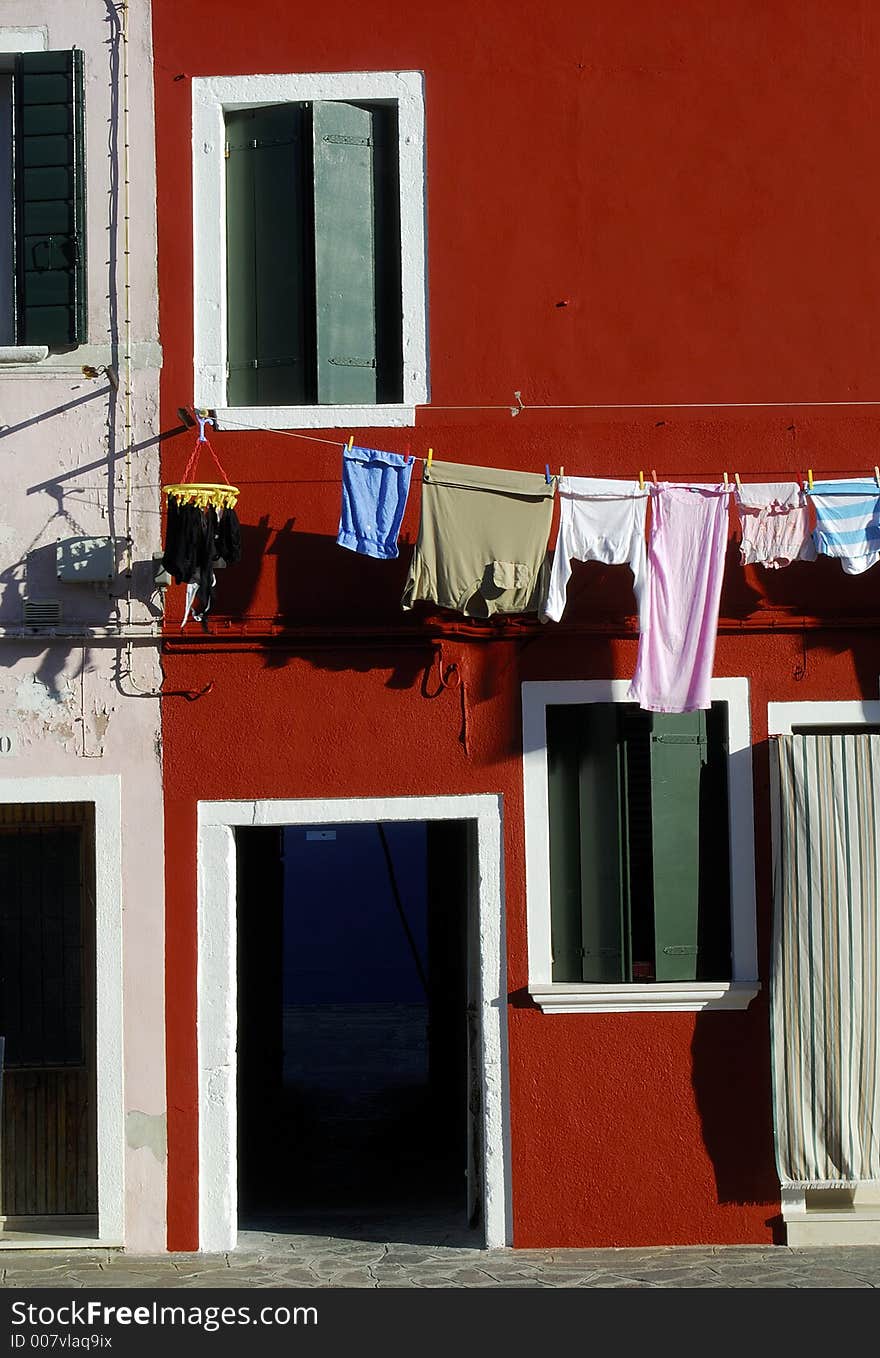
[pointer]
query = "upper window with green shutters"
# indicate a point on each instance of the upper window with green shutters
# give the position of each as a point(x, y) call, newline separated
point(309, 249)
point(42, 200)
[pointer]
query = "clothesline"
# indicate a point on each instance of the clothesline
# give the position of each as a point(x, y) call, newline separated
point(484, 532)
point(805, 482)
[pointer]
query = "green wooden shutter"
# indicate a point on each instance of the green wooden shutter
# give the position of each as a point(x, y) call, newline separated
point(345, 288)
point(587, 876)
point(268, 268)
point(50, 198)
point(679, 753)
point(604, 922)
point(563, 759)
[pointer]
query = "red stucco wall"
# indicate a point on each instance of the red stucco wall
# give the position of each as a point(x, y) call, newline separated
point(696, 186)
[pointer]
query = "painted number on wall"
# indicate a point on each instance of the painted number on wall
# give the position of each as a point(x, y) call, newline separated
point(7, 744)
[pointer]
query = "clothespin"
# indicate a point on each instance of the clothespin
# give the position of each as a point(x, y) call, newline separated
point(810, 477)
point(351, 443)
point(737, 480)
point(430, 459)
point(877, 476)
point(561, 472)
point(726, 482)
point(653, 476)
point(641, 480)
point(547, 472)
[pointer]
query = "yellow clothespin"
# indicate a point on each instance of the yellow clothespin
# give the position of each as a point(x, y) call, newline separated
point(430, 459)
point(350, 443)
point(810, 477)
point(641, 480)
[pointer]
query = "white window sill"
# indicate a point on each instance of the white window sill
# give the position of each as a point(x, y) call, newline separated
point(686, 996)
point(313, 417)
point(23, 353)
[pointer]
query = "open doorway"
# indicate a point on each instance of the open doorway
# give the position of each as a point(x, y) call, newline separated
point(356, 1042)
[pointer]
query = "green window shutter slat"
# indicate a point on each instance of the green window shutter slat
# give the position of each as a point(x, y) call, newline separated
point(43, 120)
point(563, 761)
point(269, 291)
point(48, 218)
point(50, 198)
point(386, 218)
point(716, 962)
point(678, 758)
point(345, 285)
point(604, 928)
point(586, 875)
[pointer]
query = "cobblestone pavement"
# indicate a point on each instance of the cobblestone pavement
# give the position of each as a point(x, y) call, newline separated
point(362, 1255)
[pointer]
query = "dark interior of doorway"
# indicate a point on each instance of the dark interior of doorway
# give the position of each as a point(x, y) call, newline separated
point(353, 1027)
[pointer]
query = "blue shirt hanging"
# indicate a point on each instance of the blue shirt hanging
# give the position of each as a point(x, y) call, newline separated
point(375, 487)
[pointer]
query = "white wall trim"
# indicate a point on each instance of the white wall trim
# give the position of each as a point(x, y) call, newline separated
point(211, 97)
point(781, 717)
point(313, 417)
point(562, 997)
point(24, 40)
point(554, 997)
point(218, 1209)
point(104, 791)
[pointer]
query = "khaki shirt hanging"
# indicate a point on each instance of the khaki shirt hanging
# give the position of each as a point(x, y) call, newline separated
point(482, 544)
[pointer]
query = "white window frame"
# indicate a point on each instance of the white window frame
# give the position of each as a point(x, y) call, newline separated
point(782, 717)
point(212, 97)
point(557, 997)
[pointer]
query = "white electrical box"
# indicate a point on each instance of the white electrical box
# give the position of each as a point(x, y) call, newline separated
point(86, 559)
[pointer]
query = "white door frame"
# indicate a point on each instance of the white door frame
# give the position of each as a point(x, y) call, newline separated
point(104, 792)
point(217, 985)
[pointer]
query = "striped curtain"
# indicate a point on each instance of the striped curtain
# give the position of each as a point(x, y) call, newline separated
point(826, 958)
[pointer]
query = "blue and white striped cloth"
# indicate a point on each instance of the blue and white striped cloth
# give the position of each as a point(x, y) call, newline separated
point(848, 522)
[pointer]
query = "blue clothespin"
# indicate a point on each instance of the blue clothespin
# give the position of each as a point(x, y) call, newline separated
point(547, 472)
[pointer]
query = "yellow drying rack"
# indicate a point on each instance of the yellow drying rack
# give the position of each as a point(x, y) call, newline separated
point(203, 493)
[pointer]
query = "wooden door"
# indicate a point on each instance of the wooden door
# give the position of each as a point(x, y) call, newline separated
point(49, 1142)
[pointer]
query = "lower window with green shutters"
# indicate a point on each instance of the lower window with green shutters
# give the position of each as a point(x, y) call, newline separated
point(639, 844)
point(42, 200)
